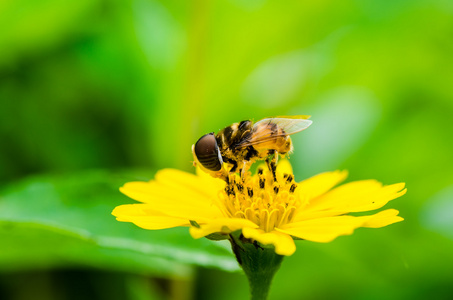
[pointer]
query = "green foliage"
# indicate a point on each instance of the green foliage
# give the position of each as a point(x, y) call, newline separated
point(67, 220)
point(116, 85)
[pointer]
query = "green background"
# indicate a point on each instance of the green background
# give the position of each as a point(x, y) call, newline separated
point(97, 93)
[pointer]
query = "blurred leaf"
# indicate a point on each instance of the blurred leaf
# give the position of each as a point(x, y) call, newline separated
point(47, 221)
point(28, 245)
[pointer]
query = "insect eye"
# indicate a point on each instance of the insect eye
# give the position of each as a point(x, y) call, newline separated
point(208, 153)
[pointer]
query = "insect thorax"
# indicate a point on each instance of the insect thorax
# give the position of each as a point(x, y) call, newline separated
point(229, 137)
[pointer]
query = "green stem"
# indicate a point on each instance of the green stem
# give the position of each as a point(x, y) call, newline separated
point(259, 263)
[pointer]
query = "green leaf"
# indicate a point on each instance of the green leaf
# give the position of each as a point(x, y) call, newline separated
point(50, 221)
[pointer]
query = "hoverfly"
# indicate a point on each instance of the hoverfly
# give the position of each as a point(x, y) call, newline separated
point(241, 144)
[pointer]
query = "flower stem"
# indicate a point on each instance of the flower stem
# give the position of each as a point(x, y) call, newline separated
point(258, 262)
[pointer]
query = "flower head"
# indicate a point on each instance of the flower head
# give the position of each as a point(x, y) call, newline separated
point(270, 210)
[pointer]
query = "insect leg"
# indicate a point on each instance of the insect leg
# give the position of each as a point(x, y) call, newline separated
point(231, 162)
point(235, 166)
point(271, 162)
point(245, 168)
point(224, 176)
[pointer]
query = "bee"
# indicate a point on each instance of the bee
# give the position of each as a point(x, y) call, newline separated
point(241, 144)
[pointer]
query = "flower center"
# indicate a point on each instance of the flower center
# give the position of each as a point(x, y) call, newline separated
point(267, 201)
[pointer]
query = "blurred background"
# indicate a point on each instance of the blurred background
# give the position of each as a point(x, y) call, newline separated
point(97, 93)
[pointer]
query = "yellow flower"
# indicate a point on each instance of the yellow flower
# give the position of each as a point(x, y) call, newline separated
point(267, 209)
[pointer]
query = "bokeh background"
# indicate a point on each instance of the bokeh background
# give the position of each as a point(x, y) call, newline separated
point(95, 93)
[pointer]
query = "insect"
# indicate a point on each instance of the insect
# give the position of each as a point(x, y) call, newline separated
point(241, 144)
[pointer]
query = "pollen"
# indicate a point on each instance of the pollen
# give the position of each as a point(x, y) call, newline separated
point(267, 201)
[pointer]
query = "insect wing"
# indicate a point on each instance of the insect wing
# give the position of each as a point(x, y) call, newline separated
point(269, 129)
point(289, 126)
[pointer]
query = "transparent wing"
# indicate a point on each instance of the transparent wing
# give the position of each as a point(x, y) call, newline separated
point(270, 129)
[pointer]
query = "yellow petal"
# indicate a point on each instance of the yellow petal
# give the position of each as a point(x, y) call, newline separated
point(319, 184)
point(327, 229)
point(223, 225)
point(180, 181)
point(284, 167)
point(135, 210)
point(383, 218)
point(283, 243)
point(356, 196)
point(152, 191)
point(172, 201)
point(158, 202)
point(155, 223)
point(136, 214)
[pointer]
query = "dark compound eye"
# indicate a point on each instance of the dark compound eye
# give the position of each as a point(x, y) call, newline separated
point(208, 153)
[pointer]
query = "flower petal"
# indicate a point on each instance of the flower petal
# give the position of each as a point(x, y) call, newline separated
point(172, 183)
point(319, 184)
point(284, 167)
point(283, 243)
point(183, 182)
point(152, 191)
point(327, 229)
point(172, 201)
point(383, 218)
point(356, 196)
point(136, 214)
point(223, 225)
